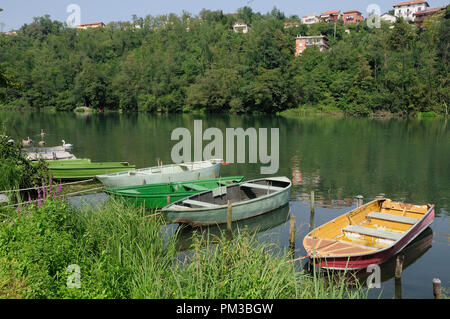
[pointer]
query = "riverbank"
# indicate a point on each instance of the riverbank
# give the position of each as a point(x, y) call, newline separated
point(124, 253)
point(306, 111)
point(299, 112)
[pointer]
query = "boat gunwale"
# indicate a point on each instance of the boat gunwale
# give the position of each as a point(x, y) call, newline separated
point(419, 220)
point(277, 192)
point(213, 164)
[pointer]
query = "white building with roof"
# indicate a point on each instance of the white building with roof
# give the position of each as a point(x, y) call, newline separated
point(407, 9)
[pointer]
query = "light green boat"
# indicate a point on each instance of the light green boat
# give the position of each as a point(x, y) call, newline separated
point(248, 199)
point(156, 196)
point(163, 174)
point(80, 169)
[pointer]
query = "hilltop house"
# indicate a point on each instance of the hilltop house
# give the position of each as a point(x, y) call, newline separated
point(302, 43)
point(352, 17)
point(421, 16)
point(310, 19)
point(407, 9)
point(241, 27)
point(331, 16)
point(288, 25)
point(91, 25)
point(388, 17)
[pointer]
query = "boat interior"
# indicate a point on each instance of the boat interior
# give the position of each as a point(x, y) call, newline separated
point(234, 193)
point(179, 187)
point(369, 228)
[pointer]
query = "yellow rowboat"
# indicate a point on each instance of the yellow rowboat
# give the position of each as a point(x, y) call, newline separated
point(367, 235)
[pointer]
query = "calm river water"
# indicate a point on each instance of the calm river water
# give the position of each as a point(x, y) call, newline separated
point(338, 158)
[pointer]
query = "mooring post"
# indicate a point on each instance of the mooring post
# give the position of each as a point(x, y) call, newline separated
point(311, 217)
point(398, 288)
point(437, 288)
point(359, 200)
point(292, 235)
point(399, 266)
point(168, 200)
point(229, 218)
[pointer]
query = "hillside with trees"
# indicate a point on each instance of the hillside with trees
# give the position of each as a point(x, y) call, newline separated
point(191, 63)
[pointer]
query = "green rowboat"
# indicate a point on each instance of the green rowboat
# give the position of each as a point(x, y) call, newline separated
point(156, 196)
point(80, 169)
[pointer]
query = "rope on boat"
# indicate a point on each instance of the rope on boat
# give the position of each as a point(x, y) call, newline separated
point(31, 188)
point(65, 195)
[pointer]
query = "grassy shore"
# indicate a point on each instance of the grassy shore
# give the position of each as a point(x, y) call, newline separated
point(126, 253)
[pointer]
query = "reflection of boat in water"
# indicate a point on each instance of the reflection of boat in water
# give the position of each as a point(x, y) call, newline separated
point(253, 225)
point(412, 252)
point(416, 249)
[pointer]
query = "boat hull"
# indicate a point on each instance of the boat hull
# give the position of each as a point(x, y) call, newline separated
point(240, 210)
point(132, 178)
point(80, 170)
point(363, 261)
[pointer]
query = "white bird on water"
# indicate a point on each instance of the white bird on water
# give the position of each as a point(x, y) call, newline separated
point(66, 146)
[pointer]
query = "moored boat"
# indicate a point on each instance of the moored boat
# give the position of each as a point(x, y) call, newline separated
point(163, 174)
point(367, 235)
point(155, 196)
point(248, 199)
point(80, 169)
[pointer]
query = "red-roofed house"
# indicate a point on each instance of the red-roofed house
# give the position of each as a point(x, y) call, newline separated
point(421, 16)
point(91, 25)
point(407, 9)
point(352, 17)
point(333, 15)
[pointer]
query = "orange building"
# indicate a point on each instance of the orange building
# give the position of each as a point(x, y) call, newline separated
point(302, 43)
point(91, 25)
point(352, 17)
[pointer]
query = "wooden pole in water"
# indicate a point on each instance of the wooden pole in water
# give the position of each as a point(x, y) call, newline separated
point(311, 216)
point(437, 288)
point(360, 201)
point(399, 266)
point(292, 235)
point(229, 218)
point(168, 200)
point(398, 288)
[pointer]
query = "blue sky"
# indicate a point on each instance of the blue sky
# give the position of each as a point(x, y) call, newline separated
point(18, 12)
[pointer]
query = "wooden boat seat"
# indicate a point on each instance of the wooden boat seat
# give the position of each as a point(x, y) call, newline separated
point(373, 232)
point(393, 218)
point(201, 204)
point(196, 187)
point(178, 207)
point(259, 186)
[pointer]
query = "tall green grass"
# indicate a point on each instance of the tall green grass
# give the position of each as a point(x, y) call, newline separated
point(124, 252)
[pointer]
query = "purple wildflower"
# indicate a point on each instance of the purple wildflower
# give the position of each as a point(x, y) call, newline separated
point(12, 222)
point(39, 202)
point(18, 211)
point(29, 199)
point(44, 191)
point(59, 189)
point(39, 193)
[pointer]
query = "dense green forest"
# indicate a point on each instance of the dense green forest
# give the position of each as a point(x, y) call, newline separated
point(189, 63)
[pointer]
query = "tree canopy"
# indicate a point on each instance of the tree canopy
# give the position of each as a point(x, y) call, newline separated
point(185, 63)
